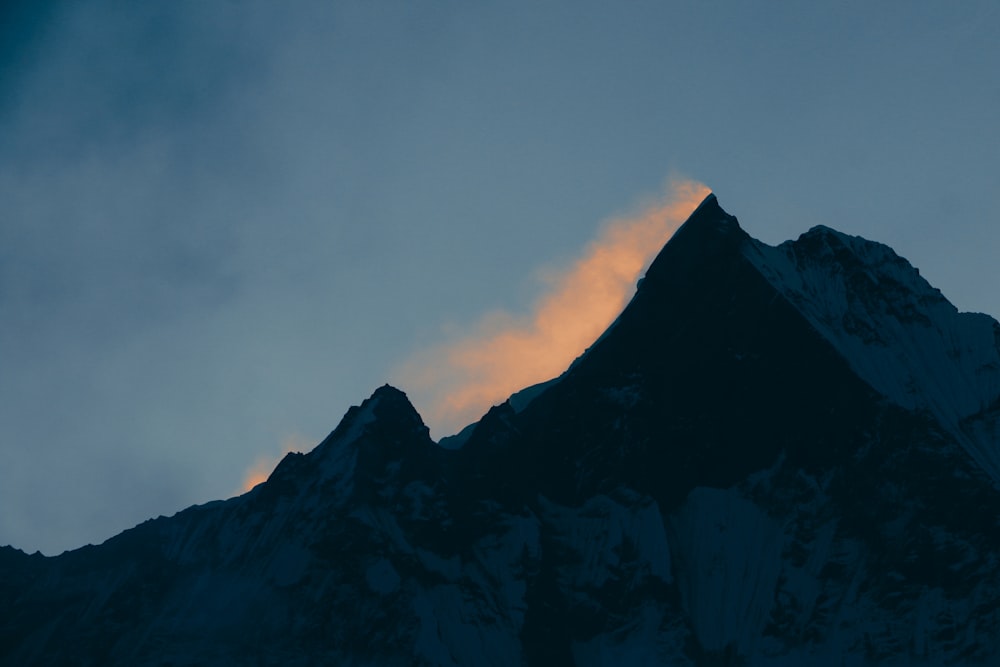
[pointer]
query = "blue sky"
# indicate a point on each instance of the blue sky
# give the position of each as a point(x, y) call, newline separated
point(222, 224)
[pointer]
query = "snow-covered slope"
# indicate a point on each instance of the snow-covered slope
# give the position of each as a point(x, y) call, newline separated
point(900, 334)
point(776, 456)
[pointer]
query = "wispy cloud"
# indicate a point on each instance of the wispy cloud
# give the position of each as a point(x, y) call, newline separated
point(456, 382)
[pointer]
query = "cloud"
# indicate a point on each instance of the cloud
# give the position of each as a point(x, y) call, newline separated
point(456, 382)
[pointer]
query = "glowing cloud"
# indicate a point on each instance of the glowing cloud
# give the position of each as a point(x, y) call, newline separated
point(456, 383)
point(264, 464)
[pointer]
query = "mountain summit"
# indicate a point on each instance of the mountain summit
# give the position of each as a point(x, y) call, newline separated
point(775, 456)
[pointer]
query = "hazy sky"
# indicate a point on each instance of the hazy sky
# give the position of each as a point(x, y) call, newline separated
point(223, 223)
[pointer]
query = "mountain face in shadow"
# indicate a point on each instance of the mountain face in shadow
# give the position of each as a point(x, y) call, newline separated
point(775, 456)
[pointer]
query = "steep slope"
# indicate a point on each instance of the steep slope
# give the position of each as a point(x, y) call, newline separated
point(774, 456)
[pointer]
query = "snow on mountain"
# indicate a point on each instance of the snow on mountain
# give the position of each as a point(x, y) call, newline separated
point(775, 456)
point(898, 333)
point(729, 559)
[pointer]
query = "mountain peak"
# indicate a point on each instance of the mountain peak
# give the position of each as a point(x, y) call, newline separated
point(709, 233)
point(387, 407)
point(821, 230)
point(387, 391)
point(390, 403)
point(708, 218)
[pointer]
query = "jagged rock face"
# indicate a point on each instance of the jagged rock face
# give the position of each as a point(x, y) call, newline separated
point(774, 456)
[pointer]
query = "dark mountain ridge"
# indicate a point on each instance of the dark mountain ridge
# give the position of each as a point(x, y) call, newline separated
point(775, 455)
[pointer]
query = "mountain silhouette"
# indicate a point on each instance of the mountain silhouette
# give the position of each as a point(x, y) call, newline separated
point(774, 456)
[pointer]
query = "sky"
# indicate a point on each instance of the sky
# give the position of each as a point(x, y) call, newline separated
point(223, 223)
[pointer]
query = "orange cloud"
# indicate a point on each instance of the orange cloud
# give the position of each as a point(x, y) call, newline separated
point(457, 382)
point(264, 464)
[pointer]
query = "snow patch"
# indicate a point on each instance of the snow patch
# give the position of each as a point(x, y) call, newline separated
point(477, 615)
point(602, 529)
point(727, 559)
point(649, 640)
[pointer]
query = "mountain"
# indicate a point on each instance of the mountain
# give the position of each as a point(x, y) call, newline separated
point(775, 456)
